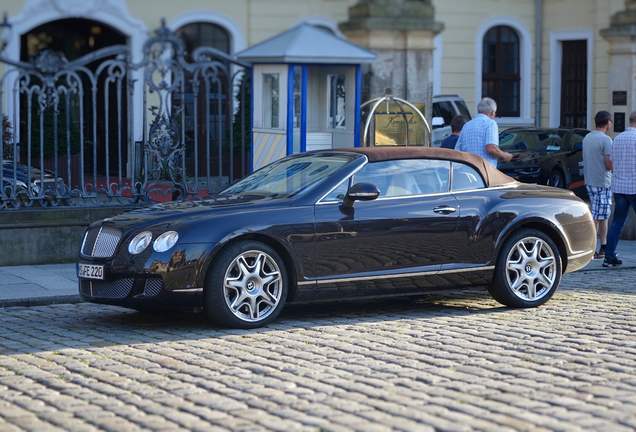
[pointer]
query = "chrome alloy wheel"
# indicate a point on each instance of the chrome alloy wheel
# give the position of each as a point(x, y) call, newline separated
point(531, 268)
point(252, 286)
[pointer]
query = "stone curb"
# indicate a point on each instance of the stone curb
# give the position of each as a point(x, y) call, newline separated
point(40, 301)
point(608, 269)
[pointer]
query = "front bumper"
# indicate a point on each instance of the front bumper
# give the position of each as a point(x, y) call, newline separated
point(136, 291)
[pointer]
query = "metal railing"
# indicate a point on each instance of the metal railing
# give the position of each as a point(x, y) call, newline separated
point(102, 130)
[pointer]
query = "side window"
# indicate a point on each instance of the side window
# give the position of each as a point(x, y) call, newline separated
point(444, 110)
point(338, 193)
point(407, 177)
point(466, 178)
point(518, 141)
point(550, 141)
point(575, 142)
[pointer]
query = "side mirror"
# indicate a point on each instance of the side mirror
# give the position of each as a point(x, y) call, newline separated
point(437, 122)
point(361, 192)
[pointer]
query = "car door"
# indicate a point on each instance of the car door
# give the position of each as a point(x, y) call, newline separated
point(573, 160)
point(475, 237)
point(395, 243)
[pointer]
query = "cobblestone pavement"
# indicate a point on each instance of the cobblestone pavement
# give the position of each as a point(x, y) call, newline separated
point(445, 362)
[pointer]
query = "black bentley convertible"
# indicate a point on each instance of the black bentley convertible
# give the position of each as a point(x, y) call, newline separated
point(341, 224)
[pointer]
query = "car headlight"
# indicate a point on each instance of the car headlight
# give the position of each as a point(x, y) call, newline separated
point(165, 241)
point(140, 242)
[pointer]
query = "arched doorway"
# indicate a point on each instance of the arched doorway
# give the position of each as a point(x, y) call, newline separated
point(206, 104)
point(81, 136)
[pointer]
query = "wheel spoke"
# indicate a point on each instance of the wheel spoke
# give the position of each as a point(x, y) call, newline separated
point(518, 267)
point(546, 262)
point(237, 284)
point(524, 253)
point(259, 264)
point(238, 302)
point(270, 277)
point(243, 266)
point(536, 249)
point(532, 289)
point(254, 312)
point(267, 298)
point(517, 284)
point(544, 280)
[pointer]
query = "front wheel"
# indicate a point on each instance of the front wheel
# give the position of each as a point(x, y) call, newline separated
point(528, 270)
point(246, 286)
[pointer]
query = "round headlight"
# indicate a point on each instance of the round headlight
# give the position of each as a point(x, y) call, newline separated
point(140, 242)
point(165, 241)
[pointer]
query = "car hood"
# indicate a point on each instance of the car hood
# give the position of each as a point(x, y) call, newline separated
point(188, 211)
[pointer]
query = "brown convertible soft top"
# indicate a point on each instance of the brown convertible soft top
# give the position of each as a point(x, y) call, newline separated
point(491, 175)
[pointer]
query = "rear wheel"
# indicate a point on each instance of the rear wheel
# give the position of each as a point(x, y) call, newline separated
point(246, 286)
point(528, 270)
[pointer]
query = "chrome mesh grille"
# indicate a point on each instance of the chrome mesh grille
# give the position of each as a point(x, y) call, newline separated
point(106, 242)
point(119, 288)
point(153, 287)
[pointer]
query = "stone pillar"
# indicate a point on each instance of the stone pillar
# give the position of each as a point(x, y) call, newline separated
point(621, 35)
point(401, 33)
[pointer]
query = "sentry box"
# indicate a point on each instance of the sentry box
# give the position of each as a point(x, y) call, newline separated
point(306, 94)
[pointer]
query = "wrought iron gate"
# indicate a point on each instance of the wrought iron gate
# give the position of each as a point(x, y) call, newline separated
point(103, 130)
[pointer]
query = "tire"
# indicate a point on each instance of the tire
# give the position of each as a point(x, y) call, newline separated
point(556, 179)
point(238, 293)
point(518, 271)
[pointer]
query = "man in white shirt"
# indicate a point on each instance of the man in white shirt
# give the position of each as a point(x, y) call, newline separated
point(480, 136)
point(623, 186)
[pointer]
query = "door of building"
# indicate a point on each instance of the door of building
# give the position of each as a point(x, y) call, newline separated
point(574, 84)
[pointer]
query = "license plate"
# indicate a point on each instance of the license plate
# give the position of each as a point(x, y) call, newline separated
point(90, 271)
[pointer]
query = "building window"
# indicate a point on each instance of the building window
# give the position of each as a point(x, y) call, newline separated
point(203, 34)
point(271, 96)
point(501, 64)
point(337, 96)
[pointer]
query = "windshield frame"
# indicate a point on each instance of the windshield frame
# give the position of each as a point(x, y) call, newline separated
point(305, 189)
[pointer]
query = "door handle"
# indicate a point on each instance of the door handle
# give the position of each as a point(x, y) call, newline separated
point(444, 210)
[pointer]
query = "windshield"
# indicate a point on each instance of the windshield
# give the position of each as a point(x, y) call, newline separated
point(290, 176)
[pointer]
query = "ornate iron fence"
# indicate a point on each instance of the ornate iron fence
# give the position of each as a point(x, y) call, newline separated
point(102, 130)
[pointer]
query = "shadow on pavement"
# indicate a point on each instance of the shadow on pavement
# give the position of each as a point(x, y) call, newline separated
point(84, 325)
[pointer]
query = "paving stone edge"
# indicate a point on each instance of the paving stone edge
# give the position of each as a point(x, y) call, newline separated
point(40, 301)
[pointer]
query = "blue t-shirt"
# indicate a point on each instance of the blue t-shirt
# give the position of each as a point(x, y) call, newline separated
point(450, 141)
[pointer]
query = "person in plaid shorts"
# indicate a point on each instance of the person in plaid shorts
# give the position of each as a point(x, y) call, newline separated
point(623, 186)
point(597, 171)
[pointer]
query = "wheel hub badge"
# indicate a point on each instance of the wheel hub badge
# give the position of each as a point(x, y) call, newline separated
point(251, 285)
point(528, 268)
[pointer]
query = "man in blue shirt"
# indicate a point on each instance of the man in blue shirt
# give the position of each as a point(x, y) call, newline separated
point(480, 136)
point(457, 124)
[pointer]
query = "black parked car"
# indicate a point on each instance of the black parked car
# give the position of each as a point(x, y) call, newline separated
point(550, 157)
point(341, 224)
point(16, 176)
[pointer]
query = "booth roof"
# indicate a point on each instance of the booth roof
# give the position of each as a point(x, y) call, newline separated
point(307, 44)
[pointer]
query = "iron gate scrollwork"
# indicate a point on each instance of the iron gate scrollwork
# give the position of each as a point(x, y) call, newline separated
point(102, 130)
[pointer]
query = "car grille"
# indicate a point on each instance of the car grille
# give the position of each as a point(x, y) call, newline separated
point(117, 289)
point(101, 242)
point(153, 287)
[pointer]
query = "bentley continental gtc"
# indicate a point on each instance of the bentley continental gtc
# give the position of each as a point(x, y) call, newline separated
point(341, 224)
